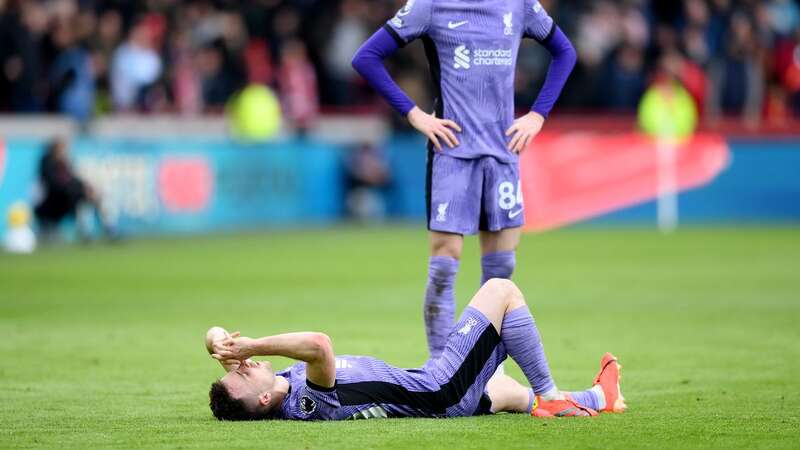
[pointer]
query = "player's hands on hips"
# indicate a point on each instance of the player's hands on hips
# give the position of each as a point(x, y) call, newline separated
point(524, 130)
point(234, 348)
point(434, 128)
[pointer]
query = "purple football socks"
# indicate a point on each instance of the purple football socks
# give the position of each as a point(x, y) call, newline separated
point(589, 398)
point(497, 265)
point(440, 302)
point(523, 343)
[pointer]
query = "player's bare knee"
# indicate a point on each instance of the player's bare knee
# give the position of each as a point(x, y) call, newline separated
point(516, 299)
point(446, 249)
point(446, 244)
point(505, 291)
point(501, 288)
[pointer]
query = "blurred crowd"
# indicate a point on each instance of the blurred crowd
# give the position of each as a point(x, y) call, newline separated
point(87, 58)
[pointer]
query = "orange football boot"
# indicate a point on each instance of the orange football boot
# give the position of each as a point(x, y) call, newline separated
point(560, 408)
point(608, 379)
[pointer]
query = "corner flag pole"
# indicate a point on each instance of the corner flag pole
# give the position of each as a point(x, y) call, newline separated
point(667, 205)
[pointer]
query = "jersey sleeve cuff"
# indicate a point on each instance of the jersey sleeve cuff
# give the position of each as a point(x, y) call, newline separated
point(400, 42)
point(549, 34)
point(316, 387)
point(545, 113)
point(547, 38)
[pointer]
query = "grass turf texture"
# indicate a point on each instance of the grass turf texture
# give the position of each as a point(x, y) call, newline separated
point(103, 346)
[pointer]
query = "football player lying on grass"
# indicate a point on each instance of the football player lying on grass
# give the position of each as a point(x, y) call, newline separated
point(461, 382)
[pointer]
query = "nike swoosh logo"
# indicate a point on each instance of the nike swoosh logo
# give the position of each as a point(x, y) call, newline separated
point(512, 214)
point(453, 25)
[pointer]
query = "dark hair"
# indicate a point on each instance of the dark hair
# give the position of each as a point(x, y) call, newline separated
point(226, 407)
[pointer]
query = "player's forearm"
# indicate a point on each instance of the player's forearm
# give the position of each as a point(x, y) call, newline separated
point(368, 62)
point(564, 58)
point(307, 346)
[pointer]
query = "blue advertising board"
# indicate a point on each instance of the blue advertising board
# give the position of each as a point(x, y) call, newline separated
point(178, 185)
point(196, 184)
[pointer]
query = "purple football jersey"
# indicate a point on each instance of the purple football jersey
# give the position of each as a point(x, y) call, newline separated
point(450, 386)
point(472, 52)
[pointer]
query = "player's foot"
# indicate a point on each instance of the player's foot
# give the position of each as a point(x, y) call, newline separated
point(608, 379)
point(560, 408)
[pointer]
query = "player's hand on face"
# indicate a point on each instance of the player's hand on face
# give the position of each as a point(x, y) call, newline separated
point(233, 349)
point(434, 128)
point(523, 130)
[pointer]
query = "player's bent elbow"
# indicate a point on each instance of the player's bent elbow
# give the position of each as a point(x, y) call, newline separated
point(358, 62)
point(322, 346)
point(571, 56)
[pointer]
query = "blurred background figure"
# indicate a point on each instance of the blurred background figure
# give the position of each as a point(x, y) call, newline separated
point(736, 75)
point(64, 194)
point(71, 76)
point(135, 66)
point(368, 177)
point(298, 86)
point(347, 35)
point(85, 57)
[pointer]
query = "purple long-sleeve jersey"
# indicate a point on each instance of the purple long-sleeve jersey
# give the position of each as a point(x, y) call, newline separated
point(472, 49)
point(450, 386)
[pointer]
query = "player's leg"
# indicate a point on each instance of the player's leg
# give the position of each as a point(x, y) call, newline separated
point(498, 257)
point(440, 302)
point(507, 395)
point(453, 203)
point(503, 304)
point(484, 335)
point(498, 249)
point(501, 218)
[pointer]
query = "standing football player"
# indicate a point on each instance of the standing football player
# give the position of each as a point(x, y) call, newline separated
point(473, 182)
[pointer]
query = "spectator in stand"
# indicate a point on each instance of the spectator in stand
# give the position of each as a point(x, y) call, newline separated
point(22, 29)
point(220, 76)
point(136, 65)
point(784, 16)
point(736, 77)
point(347, 36)
point(169, 55)
point(185, 82)
point(72, 82)
point(108, 37)
point(791, 75)
point(624, 78)
point(297, 85)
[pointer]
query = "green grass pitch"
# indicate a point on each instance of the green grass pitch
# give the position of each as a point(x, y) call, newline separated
point(102, 346)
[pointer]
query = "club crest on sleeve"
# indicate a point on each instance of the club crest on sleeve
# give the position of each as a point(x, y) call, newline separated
point(307, 405)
